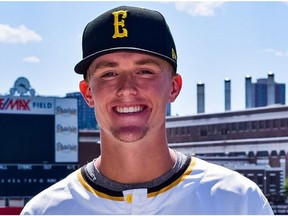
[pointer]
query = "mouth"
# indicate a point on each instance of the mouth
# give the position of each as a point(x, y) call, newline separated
point(129, 109)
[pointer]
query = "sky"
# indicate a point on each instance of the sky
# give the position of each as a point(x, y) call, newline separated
point(215, 40)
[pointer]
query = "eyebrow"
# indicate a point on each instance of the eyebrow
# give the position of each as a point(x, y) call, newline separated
point(105, 64)
point(146, 61)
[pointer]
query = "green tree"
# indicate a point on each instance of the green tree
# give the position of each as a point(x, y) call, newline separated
point(286, 187)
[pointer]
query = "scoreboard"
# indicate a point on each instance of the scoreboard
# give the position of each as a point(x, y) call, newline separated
point(26, 180)
point(38, 143)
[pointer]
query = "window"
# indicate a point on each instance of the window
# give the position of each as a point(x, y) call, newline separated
point(267, 124)
point(272, 179)
point(275, 123)
point(234, 127)
point(243, 126)
point(184, 130)
point(203, 132)
point(260, 179)
point(224, 131)
point(283, 121)
point(254, 125)
point(177, 130)
point(262, 125)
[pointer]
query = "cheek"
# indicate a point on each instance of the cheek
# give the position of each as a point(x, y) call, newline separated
point(163, 89)
point(98, 97)
point(97, 90)
point(99, 107)
point(160, 96)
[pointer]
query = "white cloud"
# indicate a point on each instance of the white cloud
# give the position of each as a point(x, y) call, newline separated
point(205, 8)
point(276, 52)
point(31, 59)
point(20, 34)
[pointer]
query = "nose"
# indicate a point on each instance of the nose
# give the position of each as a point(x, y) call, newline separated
point(127, 86)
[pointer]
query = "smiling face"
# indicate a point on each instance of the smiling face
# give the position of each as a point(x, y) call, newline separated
point(130, 92)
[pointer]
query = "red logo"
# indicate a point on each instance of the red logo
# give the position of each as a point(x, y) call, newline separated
point(16, 104)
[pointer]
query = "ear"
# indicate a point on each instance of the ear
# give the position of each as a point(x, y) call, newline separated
point(86, 92)
point(176, 87)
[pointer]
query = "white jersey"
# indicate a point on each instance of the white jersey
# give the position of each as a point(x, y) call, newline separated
point(198, 188)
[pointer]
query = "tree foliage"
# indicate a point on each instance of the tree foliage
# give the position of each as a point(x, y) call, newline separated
point(286, 187)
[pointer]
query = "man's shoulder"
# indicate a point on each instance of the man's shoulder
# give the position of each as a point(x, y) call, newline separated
point(56, 193)
point(222, 177)
point(216, 184)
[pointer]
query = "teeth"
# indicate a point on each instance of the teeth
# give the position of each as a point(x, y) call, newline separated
point(129, 109)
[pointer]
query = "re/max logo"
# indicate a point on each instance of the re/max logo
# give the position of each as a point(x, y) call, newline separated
point(10, 104)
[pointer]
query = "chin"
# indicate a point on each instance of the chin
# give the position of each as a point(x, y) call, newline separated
point(129, 133)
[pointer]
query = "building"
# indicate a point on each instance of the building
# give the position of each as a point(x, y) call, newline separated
point(233, 132)
point(200, 97)
point(253, 141)
point(264, 92)
point(39, 145)
point(168, 110)
point(86, 115)
point(227, 94)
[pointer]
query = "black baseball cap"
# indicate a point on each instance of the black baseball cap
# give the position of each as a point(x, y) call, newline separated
point(127, 28)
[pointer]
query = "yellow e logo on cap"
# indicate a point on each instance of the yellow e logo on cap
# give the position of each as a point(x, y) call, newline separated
point(120, 24)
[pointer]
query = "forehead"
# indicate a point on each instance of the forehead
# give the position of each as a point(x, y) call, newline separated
point(126, 58)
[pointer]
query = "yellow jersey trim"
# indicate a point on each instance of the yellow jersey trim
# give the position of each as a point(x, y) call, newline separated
point(177, 181)
point(92, 190)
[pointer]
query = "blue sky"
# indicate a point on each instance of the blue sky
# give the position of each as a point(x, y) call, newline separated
point(215, 40)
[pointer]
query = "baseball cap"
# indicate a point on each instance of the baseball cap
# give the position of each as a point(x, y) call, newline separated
point(127, 28)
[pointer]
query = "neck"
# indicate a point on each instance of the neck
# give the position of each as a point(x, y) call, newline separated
point(135, 162)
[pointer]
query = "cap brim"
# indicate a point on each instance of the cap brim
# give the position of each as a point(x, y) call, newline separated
point(83, 65)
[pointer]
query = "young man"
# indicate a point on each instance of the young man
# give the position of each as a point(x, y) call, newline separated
point(129, 65)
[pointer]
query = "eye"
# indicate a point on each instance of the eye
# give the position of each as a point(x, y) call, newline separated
point(108, 75)
point(145, 71)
